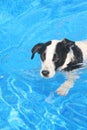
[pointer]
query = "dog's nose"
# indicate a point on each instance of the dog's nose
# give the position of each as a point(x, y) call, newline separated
point(45, 73)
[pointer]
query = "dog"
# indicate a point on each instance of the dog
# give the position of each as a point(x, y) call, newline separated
point(62, 55)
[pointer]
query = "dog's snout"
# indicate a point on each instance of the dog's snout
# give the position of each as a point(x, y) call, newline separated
point(45, 73)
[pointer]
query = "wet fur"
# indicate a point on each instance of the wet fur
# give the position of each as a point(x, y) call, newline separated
point(63, 55)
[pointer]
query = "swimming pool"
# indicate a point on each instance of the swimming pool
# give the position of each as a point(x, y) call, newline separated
point(27, 101)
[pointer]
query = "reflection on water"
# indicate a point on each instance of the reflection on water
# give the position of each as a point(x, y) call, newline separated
point(29, 102)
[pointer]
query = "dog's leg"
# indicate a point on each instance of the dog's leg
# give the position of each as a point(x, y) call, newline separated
point(64, 88)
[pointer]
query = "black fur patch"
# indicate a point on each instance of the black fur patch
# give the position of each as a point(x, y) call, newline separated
point(39, 48)
point(60, 54)
point(78, 59)
point(61, 51)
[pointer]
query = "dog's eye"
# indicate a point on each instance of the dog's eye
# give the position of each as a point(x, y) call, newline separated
point(43, 56)
point(55, 57)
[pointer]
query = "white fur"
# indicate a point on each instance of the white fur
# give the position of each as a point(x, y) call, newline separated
point(83, 46)
point(48, 64)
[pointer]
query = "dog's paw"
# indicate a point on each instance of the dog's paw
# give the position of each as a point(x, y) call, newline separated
point(63, 91)
point(64, 88)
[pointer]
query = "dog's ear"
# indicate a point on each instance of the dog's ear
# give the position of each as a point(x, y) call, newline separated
point(36, 48)
point(68, 43)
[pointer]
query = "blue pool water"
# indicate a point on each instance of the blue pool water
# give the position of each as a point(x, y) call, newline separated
point(27, 101)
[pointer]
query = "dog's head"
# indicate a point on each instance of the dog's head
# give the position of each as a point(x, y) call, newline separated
point(53, 55)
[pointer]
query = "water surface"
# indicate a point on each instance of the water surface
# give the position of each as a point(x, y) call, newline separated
point(27, 101)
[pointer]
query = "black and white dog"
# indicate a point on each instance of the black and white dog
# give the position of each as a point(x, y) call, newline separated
point(63, 55)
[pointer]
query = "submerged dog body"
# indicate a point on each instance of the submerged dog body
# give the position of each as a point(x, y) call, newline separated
point(62, 55)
